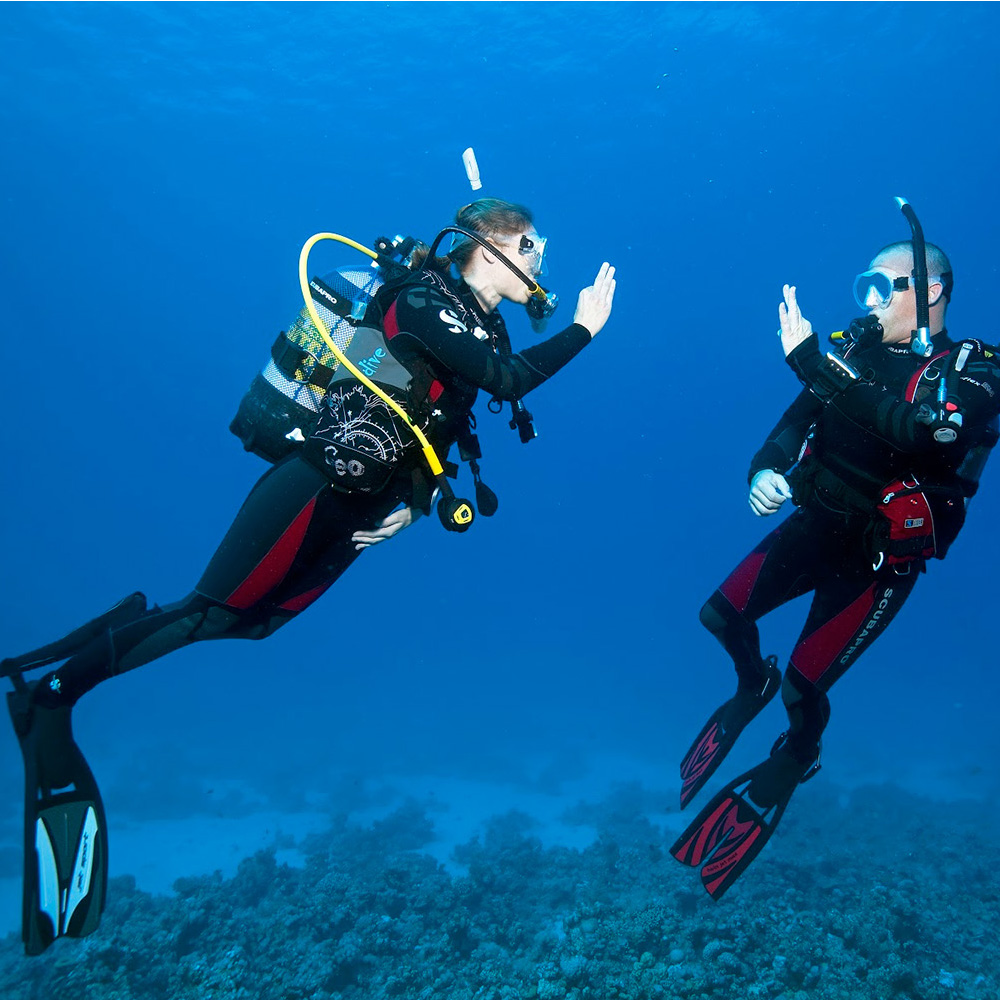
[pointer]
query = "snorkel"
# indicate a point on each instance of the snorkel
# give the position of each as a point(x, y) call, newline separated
point(867, 329)
point(944, 419)
point(920, 340)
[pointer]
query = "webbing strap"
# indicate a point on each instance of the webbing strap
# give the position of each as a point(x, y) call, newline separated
point(291, 359)
point(911, 386)
point(325, 296)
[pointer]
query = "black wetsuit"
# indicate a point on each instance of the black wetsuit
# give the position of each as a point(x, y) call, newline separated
point(292, 537)
point(860, 440)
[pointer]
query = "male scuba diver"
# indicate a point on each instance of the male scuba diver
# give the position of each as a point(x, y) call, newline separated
point(885, 445)
point(432, 335)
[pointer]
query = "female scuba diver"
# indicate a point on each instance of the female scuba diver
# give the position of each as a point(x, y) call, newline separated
point(433, 336)
point(302, 525)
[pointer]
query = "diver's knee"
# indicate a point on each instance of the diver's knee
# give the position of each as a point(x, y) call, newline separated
point(711, 617)
point(267, 627)
point(156, 633)
point(222, 622)
point(218, 622)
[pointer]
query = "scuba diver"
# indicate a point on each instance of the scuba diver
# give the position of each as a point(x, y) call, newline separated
point(885, 444)
point(429, 340)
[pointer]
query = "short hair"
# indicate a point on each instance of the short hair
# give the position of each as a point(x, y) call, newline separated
point(937, 262)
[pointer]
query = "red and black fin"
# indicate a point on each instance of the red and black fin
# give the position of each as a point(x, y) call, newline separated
point(720, 733)
point(729, 833)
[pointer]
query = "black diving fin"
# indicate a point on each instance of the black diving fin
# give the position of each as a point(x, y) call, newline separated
point(65, 832)
point(723, 728)
point(729, 833)
point(128, 609)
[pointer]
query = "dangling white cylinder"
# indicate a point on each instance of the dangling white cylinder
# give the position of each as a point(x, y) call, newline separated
point(472, 168)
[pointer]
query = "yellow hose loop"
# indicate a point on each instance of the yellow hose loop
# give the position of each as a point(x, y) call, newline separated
point(313, 240)
point(428, 449)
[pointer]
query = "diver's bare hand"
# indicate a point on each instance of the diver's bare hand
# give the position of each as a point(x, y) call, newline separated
point(593, 307)
point(768, 491)
point(389, 526)
point(795, 328)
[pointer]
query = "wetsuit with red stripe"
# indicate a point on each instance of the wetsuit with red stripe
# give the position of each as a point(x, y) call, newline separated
point(292, 538)
point(859, 441)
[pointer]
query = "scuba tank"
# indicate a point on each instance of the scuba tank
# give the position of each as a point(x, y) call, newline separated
point(280, 409)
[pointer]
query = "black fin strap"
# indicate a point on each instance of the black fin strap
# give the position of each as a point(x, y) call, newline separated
point(20, 684)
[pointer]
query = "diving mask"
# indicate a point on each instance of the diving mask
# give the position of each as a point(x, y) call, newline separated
point(531, 250)
point(531, 255)
point(880, 283)
point(884, 285)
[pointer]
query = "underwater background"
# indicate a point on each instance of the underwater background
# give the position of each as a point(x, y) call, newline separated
point(456, 775)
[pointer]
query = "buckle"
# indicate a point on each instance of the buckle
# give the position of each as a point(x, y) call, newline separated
point(308, 363)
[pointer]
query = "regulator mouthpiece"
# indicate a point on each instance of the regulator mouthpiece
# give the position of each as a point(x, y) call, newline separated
point(542, 306)
point(866, 331)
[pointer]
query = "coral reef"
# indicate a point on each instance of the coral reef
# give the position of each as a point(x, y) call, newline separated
point(874, 895)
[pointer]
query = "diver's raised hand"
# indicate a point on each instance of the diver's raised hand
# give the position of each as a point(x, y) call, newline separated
point(795, 328)
point(593, 307)
point(768, 491)
point(387, 527)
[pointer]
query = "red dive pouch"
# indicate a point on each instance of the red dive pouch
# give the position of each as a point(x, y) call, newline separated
point(913, 521)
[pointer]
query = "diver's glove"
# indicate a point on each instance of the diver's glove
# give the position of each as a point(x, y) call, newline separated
point(825, 376)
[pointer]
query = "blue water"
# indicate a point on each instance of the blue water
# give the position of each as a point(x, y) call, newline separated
point(163, 164)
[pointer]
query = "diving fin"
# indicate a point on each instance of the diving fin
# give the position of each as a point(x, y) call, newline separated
point(128, 609)
point(729, 833)
point(65, 832)
point(723, 728)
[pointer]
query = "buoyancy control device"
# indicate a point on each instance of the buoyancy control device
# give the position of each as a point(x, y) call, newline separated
point(330, 365)
point(281, 407)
